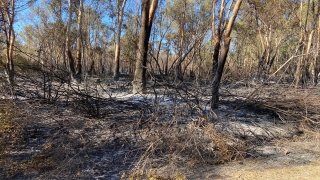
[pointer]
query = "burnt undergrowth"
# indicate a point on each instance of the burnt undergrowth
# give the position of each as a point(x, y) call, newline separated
point(54, 129)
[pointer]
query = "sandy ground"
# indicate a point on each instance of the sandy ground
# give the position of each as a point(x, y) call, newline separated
point(300, 172)
point(311, 171)
point(284, 160)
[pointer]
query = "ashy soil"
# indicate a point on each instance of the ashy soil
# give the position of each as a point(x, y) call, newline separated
point(107, 133)
point(292, 160)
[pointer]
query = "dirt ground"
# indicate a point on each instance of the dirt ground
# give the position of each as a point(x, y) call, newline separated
point(290, 173)
point(272, 135)
point(285, 160)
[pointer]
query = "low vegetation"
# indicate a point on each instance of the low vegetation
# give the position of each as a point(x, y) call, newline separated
point(154, 89)
point(102, 131)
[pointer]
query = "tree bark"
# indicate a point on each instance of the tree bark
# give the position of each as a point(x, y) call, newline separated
point(116, 70)
point(178, 69)
point(316, 67)
point(148, 10)
point(300, 69)
point(223, 54)
point(9, 13)
point(219, 71)
point(75, 64)
point(79, 44)
point(68, 49)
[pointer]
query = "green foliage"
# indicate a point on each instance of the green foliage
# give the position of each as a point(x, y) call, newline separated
point(129, 42)
point(273, 25)
point(191, 15)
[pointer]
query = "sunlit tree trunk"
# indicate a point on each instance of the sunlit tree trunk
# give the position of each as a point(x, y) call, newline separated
point(316, 67)
point(303, 47)
point(63, 45)
point(226, 28)
point(216, 36)
point(148, 10)
point(166, 63)
point(68, 48)
point(79, 44)
point(120, 11)
point(178, 69)
point(75, 64)
point(9, 15)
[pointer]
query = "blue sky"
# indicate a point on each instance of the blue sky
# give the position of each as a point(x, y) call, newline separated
point(24, 14)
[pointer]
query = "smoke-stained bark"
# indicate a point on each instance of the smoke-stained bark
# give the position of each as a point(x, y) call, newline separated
point(148, 11)
point(226, 28)
point(68, 32)
point(120, 12)
point(79, 43)
point(75, 64)
point(8, 10)
point(316, 65)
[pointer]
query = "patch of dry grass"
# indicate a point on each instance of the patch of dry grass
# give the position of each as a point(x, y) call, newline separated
point(11, 131)
point(11, 134)
point(170, 147)
point(140, 141)
point(300, 105)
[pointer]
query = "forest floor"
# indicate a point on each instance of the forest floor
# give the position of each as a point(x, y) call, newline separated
point(292, 160)
point(101, 131)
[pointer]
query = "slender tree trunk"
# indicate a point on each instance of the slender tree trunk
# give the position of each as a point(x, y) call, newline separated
point(91, 68)
point(215, 39)
point(9, 15)
point(223, 54)
point(68, 48)
point(62, 43)
point(148, 11)
point(301, 46)
point(178, 68)
point(75, 65)
point(116, 70)
point(79, 44)
point(316, 67)
point(120, 12)
point(219, 71)
point(10, 47)
point(306, 62)
point(166, 64)
point(216, 51)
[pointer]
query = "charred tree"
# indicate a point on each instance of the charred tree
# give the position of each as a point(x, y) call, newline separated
point(148, 10)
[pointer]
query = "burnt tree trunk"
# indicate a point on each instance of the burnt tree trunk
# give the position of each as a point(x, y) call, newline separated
point(218, 73)
point(222, 56)
point(116, 70)
point(8, 16)
point(79, 45)
point(148, 10)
